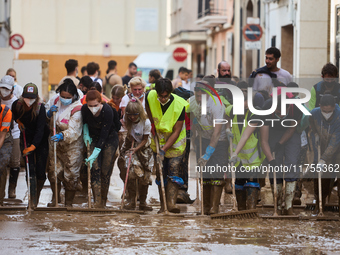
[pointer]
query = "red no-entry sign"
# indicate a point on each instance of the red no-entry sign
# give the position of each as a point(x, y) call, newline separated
point(16, 41)
point(252, 32)
point(180, 54)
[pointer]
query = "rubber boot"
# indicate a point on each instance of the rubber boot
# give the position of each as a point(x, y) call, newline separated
point(40, 186)
point(183, 197)
point(97, 196)
point(13, 179)
point(324, 191)
point(33, 190)
point(252, 195)
point(69, 196)
point(298, 193)
point(279, 197)
point(52, 203)
point(207, 198)
point(171, 197)
point(241, 198)
point(3, 177)
point(217, 192)
point(143, 193)
point(160, 199)
point(131, 187)
point(290, 190)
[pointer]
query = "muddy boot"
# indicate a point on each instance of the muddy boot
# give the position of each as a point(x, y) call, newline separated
point(33, 190)
point(252, 195)
point(160, 199)
point(143, 193)
point(241, 198)
point(290, 190)
point(279, 197)
point(97, 196)
point(207, 198)
point(171, 197)
point(131, 187)
point(217, 192)
point(40, 186)
point(297, 193)
point(52, 203)
point(183, 197)
point(69, 196)
point(13, 179)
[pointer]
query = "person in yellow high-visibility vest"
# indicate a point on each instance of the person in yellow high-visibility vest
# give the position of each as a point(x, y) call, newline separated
point(247, 158)
point(166, 112)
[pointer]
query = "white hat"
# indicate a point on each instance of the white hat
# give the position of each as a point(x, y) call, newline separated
point(7, 82)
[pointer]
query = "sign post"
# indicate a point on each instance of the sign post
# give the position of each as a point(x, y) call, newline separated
point(16, 41)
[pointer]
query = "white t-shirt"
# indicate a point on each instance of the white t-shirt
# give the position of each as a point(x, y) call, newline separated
point(98, 80)
point(124, 103)
point(15, 131)
point(186, 85)
point(263, 81)
point(140, 129)
point(17, 90)
point(214, 112)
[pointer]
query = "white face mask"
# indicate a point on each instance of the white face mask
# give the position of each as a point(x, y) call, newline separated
point(165, 102)
point(29, 102)
point(95, 109)
point(5, 92)
point(327, 115)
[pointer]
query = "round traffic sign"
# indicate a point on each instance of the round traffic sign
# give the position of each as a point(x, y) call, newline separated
point(180, 54)
point(252, 32)
point(16, 41)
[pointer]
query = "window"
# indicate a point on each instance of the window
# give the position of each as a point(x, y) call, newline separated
point(200, 9)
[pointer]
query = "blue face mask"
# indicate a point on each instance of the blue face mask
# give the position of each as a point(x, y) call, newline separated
point(65, 101)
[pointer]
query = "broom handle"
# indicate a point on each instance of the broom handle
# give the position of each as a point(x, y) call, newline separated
point(28, 174)
point(275, 190)
point(320, 183)
point(160, 166)
point(201, 177)
point(88, 177)
point(55, 161)
point(126, 177)
point(235, 207)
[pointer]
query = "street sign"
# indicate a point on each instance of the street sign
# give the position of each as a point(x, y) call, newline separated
point(16, 41)
point(180, 54)
point(252, 32)
point(252, 45)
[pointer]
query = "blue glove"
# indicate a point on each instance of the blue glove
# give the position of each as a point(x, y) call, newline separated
point(86, 134)
point(57, 137)
point(93, 157)
point(52, 109)
point(208, 152)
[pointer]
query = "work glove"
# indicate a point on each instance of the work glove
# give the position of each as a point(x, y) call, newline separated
point(202, 161)
point(57, 137)
point(278, 147)
point(52, 109)
point(93, 157)
point(321, 166)
point(153, 129)
point(273, 163)
point(28, 150)
point(21, 126)
point(233, 159)
point(161, 156)
point(86, 135)
point(229, 134)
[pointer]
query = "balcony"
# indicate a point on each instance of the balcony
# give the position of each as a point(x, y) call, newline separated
point(211, 17)
point(189, 36)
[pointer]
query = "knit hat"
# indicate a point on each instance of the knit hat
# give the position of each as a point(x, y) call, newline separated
point(30, 90)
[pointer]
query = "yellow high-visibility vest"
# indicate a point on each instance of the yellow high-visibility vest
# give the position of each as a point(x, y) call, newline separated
point(165, 123)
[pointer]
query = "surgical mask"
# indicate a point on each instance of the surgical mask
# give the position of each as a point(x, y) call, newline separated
point(327, 115)
point(95, 109)
point(29, 101)
point(65, 101)
point(5, 92)
point(141, 96)
point(165, 102)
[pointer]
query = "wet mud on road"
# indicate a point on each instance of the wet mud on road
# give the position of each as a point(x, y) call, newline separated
point(81, 233)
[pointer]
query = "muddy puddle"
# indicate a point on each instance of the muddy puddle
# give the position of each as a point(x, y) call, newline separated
point(80, 233)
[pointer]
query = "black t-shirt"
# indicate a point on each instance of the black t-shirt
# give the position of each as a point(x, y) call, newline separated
point(292, 112)
point(100, 127)
point(166, 106)
point(126, 79)
point(35, 130)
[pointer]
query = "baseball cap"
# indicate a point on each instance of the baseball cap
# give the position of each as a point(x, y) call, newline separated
point(30, 90)
point(7, 82)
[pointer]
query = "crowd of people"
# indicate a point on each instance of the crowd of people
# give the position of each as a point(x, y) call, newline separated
point(148, 127)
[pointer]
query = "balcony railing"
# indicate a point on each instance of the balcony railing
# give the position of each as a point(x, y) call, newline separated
point(212, 12)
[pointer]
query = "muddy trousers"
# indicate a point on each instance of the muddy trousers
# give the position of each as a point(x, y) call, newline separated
point(183, 196)
point(37, 161)
point(14, 165)
point(101, 170)
point(5, 155)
